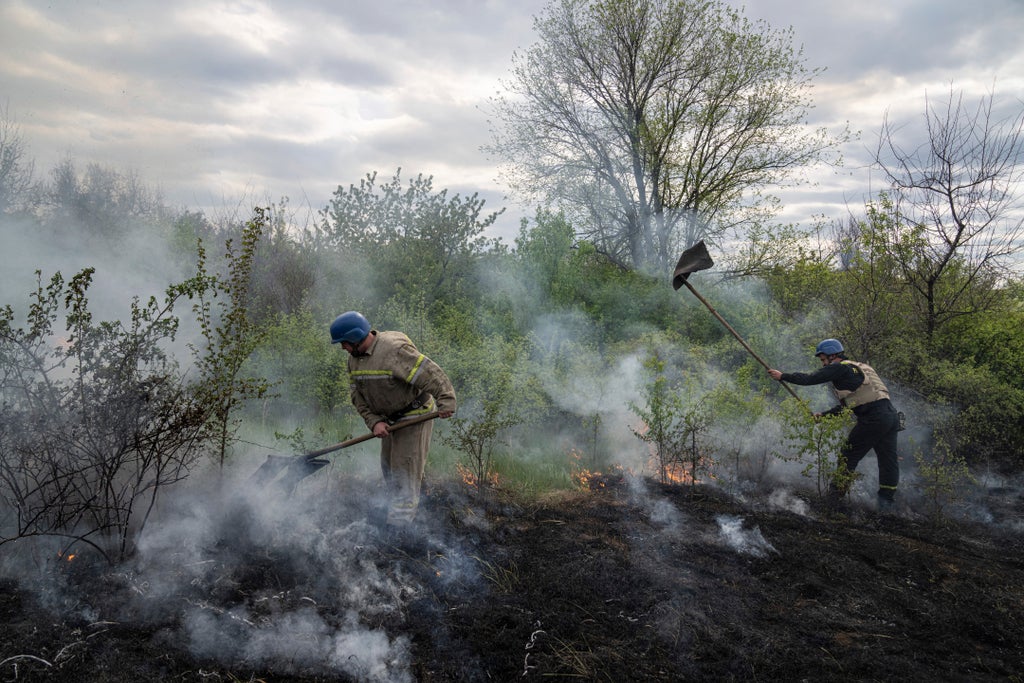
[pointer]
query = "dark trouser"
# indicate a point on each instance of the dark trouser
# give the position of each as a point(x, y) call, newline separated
point(878, 423)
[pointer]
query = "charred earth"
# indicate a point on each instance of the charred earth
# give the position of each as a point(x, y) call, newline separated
point(630, 581)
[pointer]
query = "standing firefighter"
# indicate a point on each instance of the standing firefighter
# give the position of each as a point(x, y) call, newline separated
point(391, 381)
point(858, 387)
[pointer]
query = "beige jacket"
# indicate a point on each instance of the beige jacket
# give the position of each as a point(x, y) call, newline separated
point(391, 375)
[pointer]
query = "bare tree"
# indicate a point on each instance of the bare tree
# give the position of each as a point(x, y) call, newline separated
point(953, 211)
point(654, 123)
point(16, 168)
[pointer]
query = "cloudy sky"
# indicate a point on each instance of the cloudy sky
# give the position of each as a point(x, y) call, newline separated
point(216, 102)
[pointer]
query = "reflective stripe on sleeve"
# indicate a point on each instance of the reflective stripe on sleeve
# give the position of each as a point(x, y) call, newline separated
point(411, 379)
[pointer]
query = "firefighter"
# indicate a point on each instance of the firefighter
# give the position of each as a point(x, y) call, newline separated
point(390, 381)
point(858, 387)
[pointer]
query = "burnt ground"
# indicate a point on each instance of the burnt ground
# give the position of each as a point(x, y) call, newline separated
point(622, 583)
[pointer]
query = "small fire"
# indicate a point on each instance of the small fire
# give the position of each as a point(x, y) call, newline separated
point(67, 556)
point(469, 477)
point(677, 473)
point(588, 479)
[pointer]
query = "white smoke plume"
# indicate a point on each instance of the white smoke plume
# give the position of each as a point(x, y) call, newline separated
point(660, 511)
point(336, 589)
point(781, 499)
point(744, 541)
point(297, 642)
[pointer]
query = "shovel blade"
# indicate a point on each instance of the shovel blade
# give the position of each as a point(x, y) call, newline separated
point(270, 469)
point(693, 259)
point(299, 470)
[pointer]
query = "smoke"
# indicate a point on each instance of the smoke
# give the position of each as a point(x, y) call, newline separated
point(660, 511)
point(280, 581)
point(781, 499)
point(743, 541)
point(137, 264)
point(297, 642)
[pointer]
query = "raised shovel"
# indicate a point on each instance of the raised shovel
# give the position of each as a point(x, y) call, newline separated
point(301, 466)
point(697, 258)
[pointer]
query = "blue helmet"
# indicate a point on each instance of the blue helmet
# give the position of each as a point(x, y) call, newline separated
point(351, 327)
point(828, 347)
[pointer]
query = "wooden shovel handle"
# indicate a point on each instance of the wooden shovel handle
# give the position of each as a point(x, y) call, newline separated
point(366, 437)
point(740, 340)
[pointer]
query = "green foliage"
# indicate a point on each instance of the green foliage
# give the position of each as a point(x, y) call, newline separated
point(802, 285)
point(988, 416)
point(229, 334)
point(494, 395)
point(816, 442)
point(310, 374)
point(943, 477)
point(186, 231)
point(990, 339)
point(741, 438)
point(407, 241)
point(675, 425)
point(619, 304)
point(544, 252)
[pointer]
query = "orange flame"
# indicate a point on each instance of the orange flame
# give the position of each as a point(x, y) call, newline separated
point(677, 473)
point(588, 479)
point(469, 477)
point(670, 472)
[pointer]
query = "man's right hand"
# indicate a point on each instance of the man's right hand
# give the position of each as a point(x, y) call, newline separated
point(380, 430)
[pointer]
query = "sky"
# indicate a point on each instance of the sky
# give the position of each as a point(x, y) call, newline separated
point(221, 104)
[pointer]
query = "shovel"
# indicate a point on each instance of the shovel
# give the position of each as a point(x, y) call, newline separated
point(697, 258)
point(301, 466)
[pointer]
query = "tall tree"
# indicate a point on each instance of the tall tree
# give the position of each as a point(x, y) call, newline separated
point(954, 204)
point(656, 123)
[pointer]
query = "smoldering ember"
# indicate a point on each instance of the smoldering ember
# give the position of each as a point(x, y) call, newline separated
point(624, 579)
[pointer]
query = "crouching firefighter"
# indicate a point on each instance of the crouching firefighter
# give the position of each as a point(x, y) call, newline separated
point(391, 381)
point(858, 387)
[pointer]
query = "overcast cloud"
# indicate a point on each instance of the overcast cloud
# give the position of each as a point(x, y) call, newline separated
point(214, 102)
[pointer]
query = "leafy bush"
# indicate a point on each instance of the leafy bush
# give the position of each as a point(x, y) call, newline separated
point(815, 442)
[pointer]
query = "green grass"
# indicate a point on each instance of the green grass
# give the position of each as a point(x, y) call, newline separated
point(530, 471)
point(532, 474)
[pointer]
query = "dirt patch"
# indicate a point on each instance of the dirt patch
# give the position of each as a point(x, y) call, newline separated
point(622, 583)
